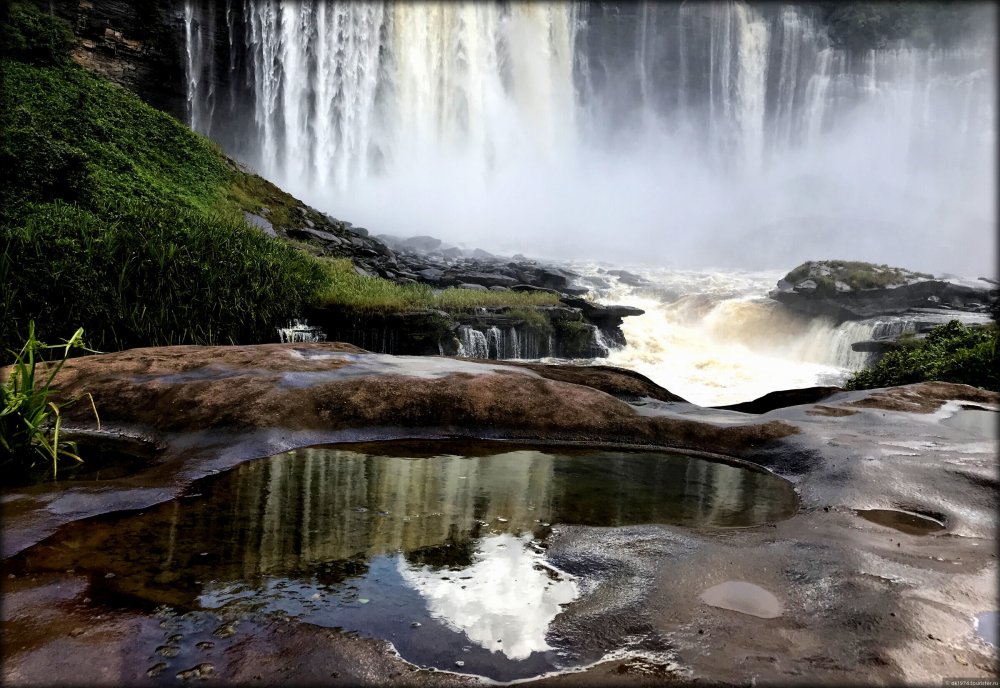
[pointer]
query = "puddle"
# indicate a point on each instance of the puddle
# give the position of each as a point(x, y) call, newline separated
point(105, 457)
point(986, 627)
point(903, 521)
point(981, 423)
point(443, 554)
point(743, 597)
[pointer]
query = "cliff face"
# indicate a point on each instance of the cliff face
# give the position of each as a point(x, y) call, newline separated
point(136, 43)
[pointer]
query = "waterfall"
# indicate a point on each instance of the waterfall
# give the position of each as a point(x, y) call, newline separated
point(599, 342)
point(300, 331)
point(199, 65)
point(631, 110)
point(494, 343)
point(472, 343)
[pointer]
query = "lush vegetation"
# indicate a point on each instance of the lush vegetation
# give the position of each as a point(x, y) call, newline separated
point(869, 25)
point(361, 294)
point(950, 353)
point(119, 217)
point(29, 420)
point(855, 274)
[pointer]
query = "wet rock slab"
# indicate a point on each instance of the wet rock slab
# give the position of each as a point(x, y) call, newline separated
point(859, 600)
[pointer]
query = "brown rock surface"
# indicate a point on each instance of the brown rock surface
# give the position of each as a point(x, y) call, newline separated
point(860, 601)
point(330, 387)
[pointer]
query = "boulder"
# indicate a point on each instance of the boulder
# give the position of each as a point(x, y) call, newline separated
point(260, 223)
point(853, 290)
point(487, 279)
point(421, 243)
point(307, 234)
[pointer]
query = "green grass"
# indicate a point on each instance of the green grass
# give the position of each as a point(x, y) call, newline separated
point(29, 420)
point(345, 288)
point(139, 276)
point(950, 353)
point(120, 218)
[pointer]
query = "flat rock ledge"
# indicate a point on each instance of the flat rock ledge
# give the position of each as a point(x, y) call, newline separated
point(860, 602)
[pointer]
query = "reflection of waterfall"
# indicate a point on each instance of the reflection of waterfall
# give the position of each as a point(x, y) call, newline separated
point(321, 505)
point(503, 602)
point(333, 495)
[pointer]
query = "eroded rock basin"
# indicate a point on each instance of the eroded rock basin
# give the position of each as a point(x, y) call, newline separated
point(860, 602)
point(440, 549)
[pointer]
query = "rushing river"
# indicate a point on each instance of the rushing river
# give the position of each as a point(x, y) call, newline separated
point(714, 337)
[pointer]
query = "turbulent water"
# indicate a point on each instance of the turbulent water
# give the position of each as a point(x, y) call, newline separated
point(715, 338)
point(683, 134)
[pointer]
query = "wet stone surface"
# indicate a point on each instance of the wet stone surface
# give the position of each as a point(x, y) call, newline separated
point(444, 554)
point(743, 597)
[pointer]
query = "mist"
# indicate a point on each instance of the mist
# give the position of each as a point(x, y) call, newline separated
point(703, 136)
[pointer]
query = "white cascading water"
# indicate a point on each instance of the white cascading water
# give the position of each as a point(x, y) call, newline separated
point(699, 133)
point(472, 343)
point(714, 338)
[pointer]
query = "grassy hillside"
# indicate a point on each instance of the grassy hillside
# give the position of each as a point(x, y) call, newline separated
point(116, 217)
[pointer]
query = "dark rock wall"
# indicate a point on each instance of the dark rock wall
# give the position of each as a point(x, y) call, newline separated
point(136, 43)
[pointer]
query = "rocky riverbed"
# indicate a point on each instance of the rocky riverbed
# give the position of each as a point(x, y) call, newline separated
point(847, 589)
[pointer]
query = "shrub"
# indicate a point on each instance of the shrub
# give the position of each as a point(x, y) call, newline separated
point(29, 35)
point(951, 353)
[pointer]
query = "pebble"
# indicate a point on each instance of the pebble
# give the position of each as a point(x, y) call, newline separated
point(156, 669)
point(205, 645)
point(168, 650)
point(459, 663)
point(414, 624)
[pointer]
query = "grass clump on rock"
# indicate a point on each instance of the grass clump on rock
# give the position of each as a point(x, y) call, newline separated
point(29, 420)
point(952, 352)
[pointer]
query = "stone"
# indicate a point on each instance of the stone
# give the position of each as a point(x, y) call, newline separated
point(307, 234)
point(260, 223)
point(486, 279)
point(421, 243)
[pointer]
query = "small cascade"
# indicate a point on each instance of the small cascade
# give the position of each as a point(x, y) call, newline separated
point(840, 352)
point(600, 344)
point(497, 344)
point(300, 331)
point(472, 343)
point(513, 344)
